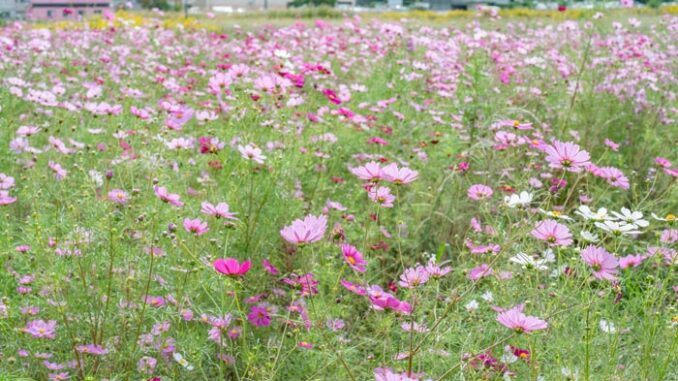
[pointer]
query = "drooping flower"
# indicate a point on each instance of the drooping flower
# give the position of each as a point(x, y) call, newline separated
point(354, 258)
point(603, 264)
point(165, 196)
point(310, 229)
point(553, 233)
point(519, 322)
point(231, 267)
point(567, 156)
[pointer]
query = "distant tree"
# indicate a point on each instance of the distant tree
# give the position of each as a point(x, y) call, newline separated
point(160, 4)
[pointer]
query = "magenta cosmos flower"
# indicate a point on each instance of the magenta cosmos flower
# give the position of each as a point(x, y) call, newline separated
point(354, 258)
point(118, 195)
point(165, 196)
point(231, 267)
point(259, 316)
point(567, 156)
point(196, 226)
point(553, 233)
point(479, 192)
point(603, 264)
point(310, 229)
point(519, 322)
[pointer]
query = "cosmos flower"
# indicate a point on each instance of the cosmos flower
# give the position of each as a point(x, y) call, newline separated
point(196, 226)
point(393, 174)
point(382, 196)
point(553, 233)
point(371, 172)
point(566, 156)
point(259, 316)
point(519, 322)
point(221, 210)
point(251, 152)
point(41, 329)
point(231, 267)
point(354, 258)
point(603, 264)
point(165, 196)
point(119, 196)
point(310, 229)
point(479, 192)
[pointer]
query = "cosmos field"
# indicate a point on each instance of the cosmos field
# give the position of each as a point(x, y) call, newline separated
point(352, 199)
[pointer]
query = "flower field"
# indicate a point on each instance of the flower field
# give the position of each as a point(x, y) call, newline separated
point(491, 198)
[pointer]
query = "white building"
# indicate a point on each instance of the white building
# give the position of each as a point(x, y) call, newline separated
point(13, 9)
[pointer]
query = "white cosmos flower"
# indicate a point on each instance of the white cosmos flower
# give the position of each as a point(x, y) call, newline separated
point(590, 237)
point(518, 200)
point(488, 297)
point(570, 374)
point(589, 214)
point(182, 361)
point(669, 217)
point(607, 326)
point(471, 306)
point(528, 262)
point(618, 228)
point(633, 218)
point(555, 214)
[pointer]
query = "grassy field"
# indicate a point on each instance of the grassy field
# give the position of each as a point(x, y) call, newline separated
point(465, 198)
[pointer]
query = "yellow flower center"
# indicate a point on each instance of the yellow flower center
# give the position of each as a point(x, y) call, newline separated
point(670, 217)
point(351, 260)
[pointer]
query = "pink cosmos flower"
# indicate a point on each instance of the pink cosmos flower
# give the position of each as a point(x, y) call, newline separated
point(354, 288)
point(567, 156)
point(165, 196)
point(259, 316)
point(231, 267)
point(553, 233)
point(397, 175)
point(92, 349)
point(613, 146)
point(196, 226)
point(310, 229)
point(385, 374)
point(41, 329)
point(413, 277)
point(631, 261)
point(5, 198)
point(221, 210)
point(614, 177)
point(268, 266)
point(382, 300)
point(479, 192)
point(382, 196)
point(371, 172)
point(603, 264)
point(251, 152)
point(118, 195)
point(354, 258)
point(59, 172)
point(6, 182)
point(519, 322)
point(479, 272)
point(435, 271)
point(662, 162)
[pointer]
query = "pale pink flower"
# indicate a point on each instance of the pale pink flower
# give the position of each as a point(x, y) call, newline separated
point(41, 329)
point(221, 210)
point(567, 156)
point(413, 277)
point(479, 192)
point(382, 196)
point(371, 172)
point(603, 264)
point(519, 322)
point(165, 196)
point(553, 233)
point(118, 195)
point(310, 229)
point(397, 175)
point(6, 199)
point(631, 261)
point(251, 152)
point(479, 272)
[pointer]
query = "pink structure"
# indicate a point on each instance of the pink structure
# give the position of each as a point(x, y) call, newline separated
point(65, 9)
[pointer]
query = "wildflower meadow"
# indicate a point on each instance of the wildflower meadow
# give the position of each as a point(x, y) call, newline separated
point(489, 198)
